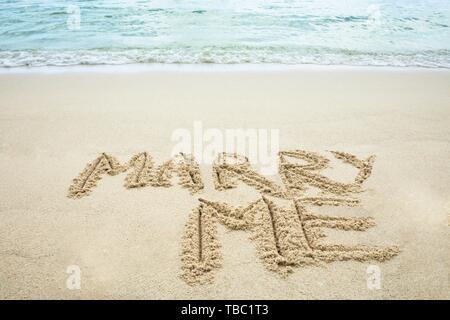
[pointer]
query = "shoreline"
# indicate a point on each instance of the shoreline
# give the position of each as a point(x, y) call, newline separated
point(170, 67)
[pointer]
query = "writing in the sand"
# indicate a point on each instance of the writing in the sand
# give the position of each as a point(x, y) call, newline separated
point(280, 221)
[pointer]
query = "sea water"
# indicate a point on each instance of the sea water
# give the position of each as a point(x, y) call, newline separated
point(349, 32)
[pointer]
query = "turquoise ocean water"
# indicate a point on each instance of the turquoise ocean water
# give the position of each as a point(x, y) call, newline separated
point(352, 32)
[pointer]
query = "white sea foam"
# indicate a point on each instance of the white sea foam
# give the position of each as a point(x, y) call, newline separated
point(217, 56)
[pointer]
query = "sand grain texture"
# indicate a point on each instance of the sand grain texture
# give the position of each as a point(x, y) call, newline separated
point(128, 242)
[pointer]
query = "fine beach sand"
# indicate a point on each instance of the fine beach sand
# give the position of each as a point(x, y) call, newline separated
point(127, 240)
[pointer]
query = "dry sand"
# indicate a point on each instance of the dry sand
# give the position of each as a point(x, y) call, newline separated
point(137, 233)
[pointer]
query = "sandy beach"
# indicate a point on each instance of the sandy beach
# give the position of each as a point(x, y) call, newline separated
point(128, 242)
